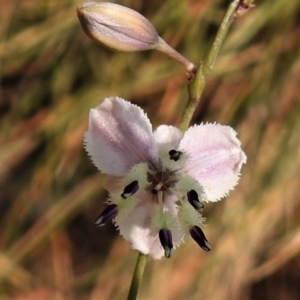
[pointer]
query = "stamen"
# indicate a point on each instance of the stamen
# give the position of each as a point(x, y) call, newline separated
point(198, 235)
point(160, 197)
point(159, 187)
point(175, 155)
point(130, 189)
point(165, 237)
point(192, 196)
point(107, 215)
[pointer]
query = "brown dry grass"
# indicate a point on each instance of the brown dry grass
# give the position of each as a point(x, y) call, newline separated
point(50, 193)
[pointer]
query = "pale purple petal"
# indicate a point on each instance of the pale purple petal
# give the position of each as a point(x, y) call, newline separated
point(136, 227)
point(216, 158)
point(168, 135)
point(119, 136)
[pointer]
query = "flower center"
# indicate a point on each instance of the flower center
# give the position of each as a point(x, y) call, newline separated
point(160, 181)
point(176, 200)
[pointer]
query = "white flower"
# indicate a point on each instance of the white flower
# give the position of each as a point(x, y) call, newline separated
point(158, 180)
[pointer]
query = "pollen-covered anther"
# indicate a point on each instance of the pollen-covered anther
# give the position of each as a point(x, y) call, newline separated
point(165, 237)
point(130, 189)
point(110, 212)
point(198, 235)
point(193, 199)
point(175, 155)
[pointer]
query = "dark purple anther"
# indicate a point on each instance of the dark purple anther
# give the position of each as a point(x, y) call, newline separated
point(130, 189)
point(175, 155)
point(107, 215)
point(194, 200)
point(165, 237)
point(198, 235)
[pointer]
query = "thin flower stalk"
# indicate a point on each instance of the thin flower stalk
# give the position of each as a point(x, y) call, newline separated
point(196, 86)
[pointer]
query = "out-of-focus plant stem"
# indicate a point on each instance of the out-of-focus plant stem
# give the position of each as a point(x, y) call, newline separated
point(197, 83)
point(137, 276)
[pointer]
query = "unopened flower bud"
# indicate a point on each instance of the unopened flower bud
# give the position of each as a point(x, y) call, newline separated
point(120, 28)
point(117, 27)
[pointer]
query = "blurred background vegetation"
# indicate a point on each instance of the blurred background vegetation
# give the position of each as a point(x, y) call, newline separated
point(50, 192)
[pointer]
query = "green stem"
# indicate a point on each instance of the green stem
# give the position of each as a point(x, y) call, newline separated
point(137, 276)
point(196, 86)
point(195, 90)
point(167, 49)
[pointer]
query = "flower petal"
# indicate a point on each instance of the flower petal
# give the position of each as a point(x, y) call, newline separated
point(137, 228)
point(167, 135)
point(216, 158)
point(119, 136)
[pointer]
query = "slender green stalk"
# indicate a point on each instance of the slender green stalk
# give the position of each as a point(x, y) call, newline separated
point(196, 86)
point(167, 49)
point(137, 276)
point(195, 90)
